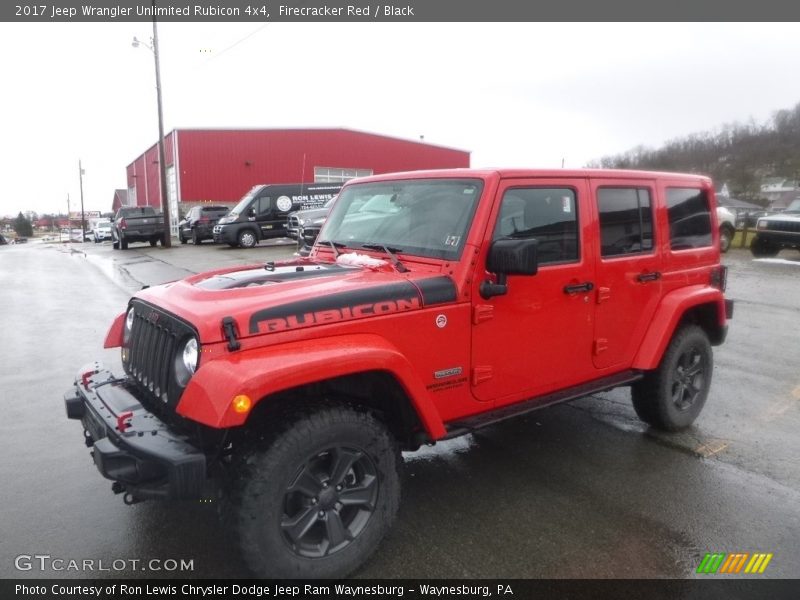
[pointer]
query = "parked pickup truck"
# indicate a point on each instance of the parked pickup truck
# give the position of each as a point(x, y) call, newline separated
point(459, 299)
point(137, 224)
point(776, 232)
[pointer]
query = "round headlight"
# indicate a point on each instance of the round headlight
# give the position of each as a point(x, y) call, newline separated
point(126, 334)
point(190, 355)
point(186, 361)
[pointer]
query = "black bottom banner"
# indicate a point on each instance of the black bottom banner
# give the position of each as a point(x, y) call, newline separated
point(522, 589)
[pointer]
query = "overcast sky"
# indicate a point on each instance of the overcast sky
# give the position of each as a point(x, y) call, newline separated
point(525, 94)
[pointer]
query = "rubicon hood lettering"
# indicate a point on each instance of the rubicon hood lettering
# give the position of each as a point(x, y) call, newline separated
point(367, 302)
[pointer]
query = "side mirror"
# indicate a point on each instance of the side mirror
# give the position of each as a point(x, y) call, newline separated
point(509, 257)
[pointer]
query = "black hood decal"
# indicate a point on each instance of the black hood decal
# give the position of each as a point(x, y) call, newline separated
point(437, 290)
point(280, 274)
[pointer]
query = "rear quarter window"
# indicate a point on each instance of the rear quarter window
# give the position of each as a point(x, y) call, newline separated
point(689, 218)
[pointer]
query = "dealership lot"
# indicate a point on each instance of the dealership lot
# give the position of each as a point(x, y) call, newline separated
point(527, 498)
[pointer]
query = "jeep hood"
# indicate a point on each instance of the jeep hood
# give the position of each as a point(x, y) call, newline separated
point(297, 294)
point(784, 216)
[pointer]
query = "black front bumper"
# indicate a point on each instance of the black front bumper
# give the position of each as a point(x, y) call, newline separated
point(130, 445)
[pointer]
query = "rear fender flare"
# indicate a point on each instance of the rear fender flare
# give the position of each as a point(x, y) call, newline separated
point(668, 316)
point(265, 371)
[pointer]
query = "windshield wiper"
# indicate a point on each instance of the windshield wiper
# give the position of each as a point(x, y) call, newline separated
point(334, 246)
point(391, 252)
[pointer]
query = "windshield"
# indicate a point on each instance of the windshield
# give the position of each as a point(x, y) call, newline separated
point(242, 204)
point(428, 217)
point(794, 206)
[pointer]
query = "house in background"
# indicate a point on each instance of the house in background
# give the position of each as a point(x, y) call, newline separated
point(120, 199)
point(780, 192)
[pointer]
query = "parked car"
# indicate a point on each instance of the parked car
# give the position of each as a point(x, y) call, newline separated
point(776, 232)
point(102, 232)
point(199, 223)
point(749, 218)
point(3, 240)
point(304, 218)
point(19, 240)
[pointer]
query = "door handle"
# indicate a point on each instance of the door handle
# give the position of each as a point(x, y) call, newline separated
point(587, 286)
point(645, 277)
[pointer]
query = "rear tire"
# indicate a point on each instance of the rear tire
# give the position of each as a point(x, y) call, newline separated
point(671, 397)
point(725, 238)
point(315, 498)
point(181, 238)
point(123, 243)
point(196, 240)
point(154, 242)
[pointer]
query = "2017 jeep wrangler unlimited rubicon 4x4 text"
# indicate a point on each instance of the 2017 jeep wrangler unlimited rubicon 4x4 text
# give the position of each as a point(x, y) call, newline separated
point(432, 304)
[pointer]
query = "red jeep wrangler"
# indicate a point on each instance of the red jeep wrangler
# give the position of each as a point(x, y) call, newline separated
point(433, 304)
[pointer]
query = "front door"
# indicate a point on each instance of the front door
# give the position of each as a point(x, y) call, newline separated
point(268, 223)
point(537, 338)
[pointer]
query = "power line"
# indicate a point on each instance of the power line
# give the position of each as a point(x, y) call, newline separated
point(236, 43)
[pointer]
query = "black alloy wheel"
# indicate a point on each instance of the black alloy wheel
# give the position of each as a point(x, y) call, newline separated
point(329, 502)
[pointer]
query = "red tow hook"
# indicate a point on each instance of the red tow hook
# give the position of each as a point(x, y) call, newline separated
point(123, 421)
point(85, 377)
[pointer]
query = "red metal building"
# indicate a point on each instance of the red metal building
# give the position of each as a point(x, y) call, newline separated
point(220, 165)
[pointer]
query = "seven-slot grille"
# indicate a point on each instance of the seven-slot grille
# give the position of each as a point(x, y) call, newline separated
point(156, 337)
point(787, 226)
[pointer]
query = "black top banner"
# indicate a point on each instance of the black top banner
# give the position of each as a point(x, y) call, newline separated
point(103, 11)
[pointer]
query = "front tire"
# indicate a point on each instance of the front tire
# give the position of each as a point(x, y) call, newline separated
point(315, 499)
point(247, 238)
point(671, 397)
point(762, 248)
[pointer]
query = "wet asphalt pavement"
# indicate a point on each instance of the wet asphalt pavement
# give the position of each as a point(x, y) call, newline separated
point(577, 490)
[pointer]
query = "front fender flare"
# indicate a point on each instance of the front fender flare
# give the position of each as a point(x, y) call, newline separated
point(259, 373)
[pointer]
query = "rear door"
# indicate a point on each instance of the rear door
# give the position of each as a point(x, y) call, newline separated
point(537, 338)
point(629, 277)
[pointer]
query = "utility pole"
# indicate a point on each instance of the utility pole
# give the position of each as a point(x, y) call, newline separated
point(83, 219)
point(162, 160)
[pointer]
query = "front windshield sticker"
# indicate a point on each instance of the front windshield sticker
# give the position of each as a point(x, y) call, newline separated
point(452, 240)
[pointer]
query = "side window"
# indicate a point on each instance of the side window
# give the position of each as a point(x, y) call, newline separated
point(689, 218)
point(626, 221)
point(547, 214)
point(263, 206)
